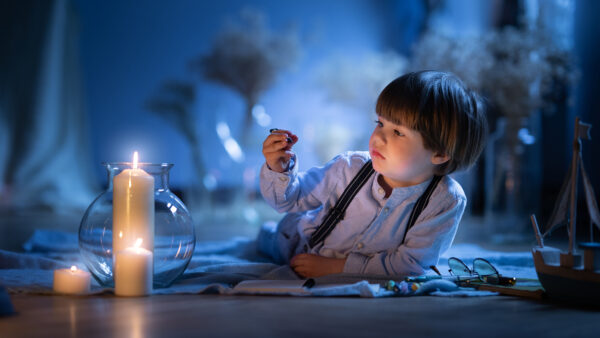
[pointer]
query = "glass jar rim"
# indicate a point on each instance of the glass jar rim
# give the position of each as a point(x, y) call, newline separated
point(140, 164)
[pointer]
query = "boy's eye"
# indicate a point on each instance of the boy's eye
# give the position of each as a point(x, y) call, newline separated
point(378, 123)
point(398, 133)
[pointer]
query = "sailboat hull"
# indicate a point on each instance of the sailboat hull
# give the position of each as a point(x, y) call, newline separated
point(565, 283)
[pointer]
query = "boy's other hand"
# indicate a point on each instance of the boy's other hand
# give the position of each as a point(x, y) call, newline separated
point(277, 149)
point(309, 265)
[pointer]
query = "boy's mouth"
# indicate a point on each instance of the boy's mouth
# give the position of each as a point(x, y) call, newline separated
point(375, 153)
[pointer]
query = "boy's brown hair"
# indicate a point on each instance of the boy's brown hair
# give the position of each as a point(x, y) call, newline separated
point(449, 116)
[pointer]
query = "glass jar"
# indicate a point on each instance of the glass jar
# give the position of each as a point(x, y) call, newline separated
point(174, 238)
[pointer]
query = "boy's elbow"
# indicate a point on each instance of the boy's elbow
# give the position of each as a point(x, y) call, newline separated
point(406, 263)
point(410, 267)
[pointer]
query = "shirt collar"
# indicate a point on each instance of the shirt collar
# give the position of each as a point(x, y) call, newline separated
point(398, 194)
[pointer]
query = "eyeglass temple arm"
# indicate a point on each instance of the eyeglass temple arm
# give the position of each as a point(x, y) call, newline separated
point(500, 280)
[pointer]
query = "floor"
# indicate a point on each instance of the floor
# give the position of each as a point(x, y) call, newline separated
point(253, 316)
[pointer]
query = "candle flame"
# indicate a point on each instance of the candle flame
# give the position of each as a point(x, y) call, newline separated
point(135, 160)
point(73, 268)
point(138, 242)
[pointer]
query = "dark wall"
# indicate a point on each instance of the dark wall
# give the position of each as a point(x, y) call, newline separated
point(587, 31)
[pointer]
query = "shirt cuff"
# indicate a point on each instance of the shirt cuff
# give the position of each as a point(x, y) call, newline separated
point(355, 263)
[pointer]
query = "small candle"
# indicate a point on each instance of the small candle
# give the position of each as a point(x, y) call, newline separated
point(71, 281)
point(133, 271)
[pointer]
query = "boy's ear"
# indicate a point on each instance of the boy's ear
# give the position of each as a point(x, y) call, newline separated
point(438, 158)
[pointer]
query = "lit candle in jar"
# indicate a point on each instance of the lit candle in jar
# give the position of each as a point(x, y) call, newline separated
point(71, 281)
point(133, 271)
point(133, 208)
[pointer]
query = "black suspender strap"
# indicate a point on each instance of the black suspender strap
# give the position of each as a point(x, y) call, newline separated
point(336, 213)
point(421, 204)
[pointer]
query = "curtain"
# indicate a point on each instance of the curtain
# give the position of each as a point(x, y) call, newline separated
point(44, 136)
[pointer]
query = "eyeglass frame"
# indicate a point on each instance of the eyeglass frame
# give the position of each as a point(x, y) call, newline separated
point(493, 278)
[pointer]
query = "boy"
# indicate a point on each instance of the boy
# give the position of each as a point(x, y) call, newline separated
point(429, 125)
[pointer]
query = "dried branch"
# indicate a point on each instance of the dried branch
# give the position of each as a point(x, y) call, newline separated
point(247, 58)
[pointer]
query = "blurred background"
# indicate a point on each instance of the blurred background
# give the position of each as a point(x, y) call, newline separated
point(199, 84)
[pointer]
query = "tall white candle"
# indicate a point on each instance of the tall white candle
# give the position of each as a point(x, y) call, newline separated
point(71, 281)
point(133, 208)
point(133, 271)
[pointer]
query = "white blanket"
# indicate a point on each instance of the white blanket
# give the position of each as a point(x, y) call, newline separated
point(218, 266)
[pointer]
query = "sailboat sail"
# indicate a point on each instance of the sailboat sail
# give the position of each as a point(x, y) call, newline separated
point(590, 197)
point(560, 212)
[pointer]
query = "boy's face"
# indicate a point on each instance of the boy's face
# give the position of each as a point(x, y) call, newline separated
point(399, 155)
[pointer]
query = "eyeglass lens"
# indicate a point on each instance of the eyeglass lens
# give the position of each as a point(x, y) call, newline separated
point(457, 267)
point(484, 268)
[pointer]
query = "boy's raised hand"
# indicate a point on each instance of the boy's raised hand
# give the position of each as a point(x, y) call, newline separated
point(277, 149)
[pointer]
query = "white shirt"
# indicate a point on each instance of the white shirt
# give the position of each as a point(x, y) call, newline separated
point(371, 232)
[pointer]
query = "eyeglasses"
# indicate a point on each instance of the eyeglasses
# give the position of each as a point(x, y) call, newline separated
point(482, 270)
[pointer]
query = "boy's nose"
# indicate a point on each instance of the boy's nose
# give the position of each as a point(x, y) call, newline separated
point(379, 136)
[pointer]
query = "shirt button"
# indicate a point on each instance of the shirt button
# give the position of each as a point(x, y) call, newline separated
point(381, 190)
point(386, 209)
point(283, 179)
point(360, 245)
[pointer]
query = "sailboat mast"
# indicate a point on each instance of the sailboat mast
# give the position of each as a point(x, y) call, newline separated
point(574, 174)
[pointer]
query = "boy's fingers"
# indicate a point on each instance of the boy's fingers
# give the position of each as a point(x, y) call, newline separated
point(275, 147)
point(279, 136)
point(299, 273)
point(299, 268)
point(300, 256)
point(289, 136)
point(273, 138)
point(276, 139)
point(280, 131)
point(297, 259)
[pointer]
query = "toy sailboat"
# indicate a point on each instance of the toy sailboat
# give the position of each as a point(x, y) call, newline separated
point(565, 274)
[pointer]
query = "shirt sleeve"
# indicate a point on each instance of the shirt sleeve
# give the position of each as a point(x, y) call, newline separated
point(292, 191)
point(423, 245)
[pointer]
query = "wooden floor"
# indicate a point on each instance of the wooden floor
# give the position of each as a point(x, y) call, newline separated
point(254, 316)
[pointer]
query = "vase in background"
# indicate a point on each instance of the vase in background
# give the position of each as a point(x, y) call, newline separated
point(512, 178)
point(174, 236)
